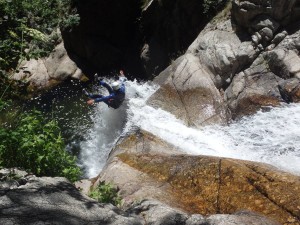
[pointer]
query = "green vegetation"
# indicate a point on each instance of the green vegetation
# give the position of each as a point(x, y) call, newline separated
point(30, 143)
point(28, 28)
point(106, 193)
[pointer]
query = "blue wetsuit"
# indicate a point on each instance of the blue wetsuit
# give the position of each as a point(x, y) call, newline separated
point(115, 98)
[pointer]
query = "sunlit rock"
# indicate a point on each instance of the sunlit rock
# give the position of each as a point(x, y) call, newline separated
point(190, 94)
point(223, 51)
point(201, 184)
point(33, 72)
point(47, 72)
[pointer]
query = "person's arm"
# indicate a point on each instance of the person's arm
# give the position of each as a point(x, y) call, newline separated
point(102, 99)
point(106, 85)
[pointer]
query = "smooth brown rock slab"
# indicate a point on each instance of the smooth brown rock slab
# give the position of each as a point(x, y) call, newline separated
point(210, 185)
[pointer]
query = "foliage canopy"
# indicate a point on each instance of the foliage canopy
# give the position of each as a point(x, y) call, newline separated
point(28, 28)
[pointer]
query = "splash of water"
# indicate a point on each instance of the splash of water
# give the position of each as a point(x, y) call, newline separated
point(272, 137)
point(108, 124)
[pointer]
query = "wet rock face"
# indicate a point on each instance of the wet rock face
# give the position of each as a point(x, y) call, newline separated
point(253, 89)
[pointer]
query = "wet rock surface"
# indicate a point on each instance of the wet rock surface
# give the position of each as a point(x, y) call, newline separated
point(201, 184)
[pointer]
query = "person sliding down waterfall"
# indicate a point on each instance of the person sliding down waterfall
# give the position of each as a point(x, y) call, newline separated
point(116, 93)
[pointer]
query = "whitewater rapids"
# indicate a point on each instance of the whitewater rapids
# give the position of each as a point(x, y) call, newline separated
point(272, 137)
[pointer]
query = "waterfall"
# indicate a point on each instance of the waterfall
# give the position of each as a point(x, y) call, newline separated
point(108, 125)
point(272, 137)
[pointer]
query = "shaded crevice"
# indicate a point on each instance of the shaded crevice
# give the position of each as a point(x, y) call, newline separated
point(262, 174)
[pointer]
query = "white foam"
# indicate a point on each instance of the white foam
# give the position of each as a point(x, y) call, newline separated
point(272, 137)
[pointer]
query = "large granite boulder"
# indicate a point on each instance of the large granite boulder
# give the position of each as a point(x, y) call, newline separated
point(44, 73)
point(156, 213)
point(187, 90)
point(223, 51)
point(272, 77)
point(200, 184)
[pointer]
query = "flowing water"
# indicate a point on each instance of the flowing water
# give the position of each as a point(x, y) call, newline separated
point(272, 137)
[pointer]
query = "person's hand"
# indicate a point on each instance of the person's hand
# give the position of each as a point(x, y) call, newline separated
point(90, 102)
point(122, 73)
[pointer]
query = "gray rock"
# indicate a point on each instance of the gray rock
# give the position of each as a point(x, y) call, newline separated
point(290, 90)
point(284, 63)
point(48, 200)
point(240, 218)
point(266, 33)
point(223, 52)
point(253, 89)
point(262, 21)
point(196, 219)
point(189, 93)
point(156, 213)
point(33, 72)
point(279, 37)
point(245, 12)
point(291, 41)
